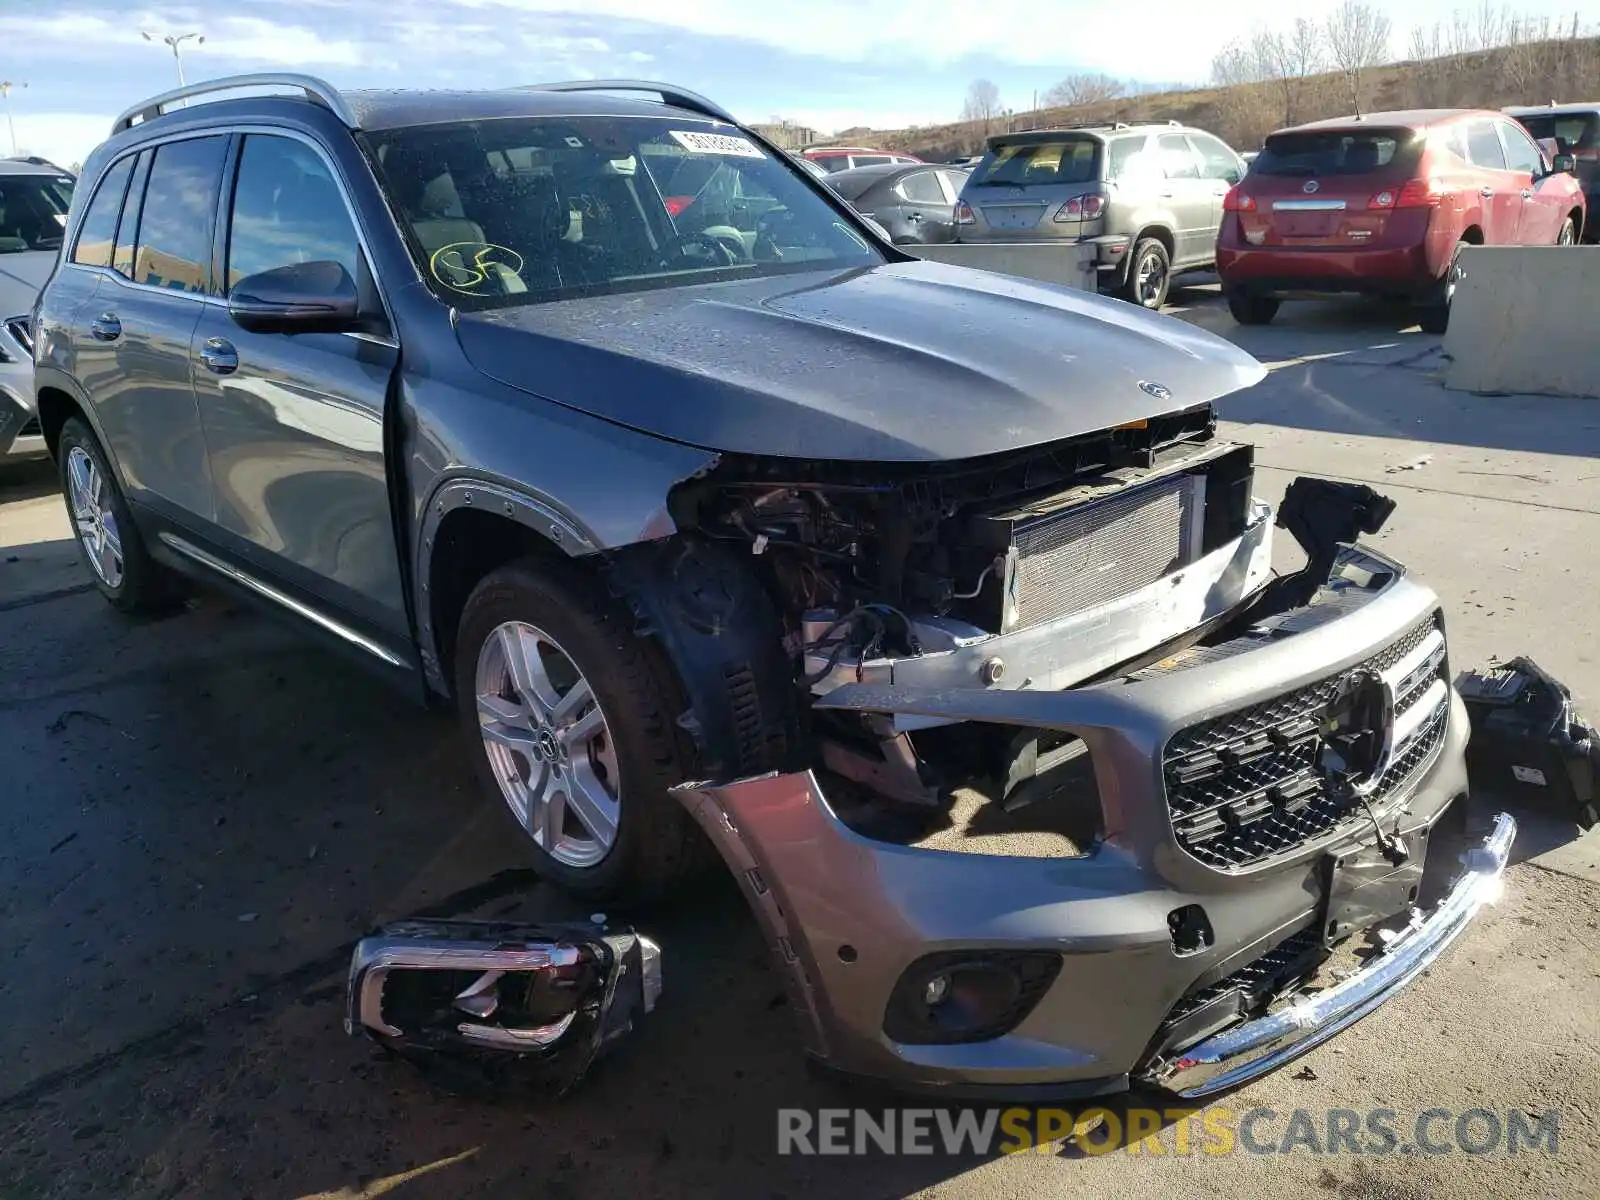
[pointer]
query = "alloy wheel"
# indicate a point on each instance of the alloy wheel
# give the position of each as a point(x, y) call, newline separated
point(1150, 280)
point(93, 516)
point(548, 743)
point(1568, 234)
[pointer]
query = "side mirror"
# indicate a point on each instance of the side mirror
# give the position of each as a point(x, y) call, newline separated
point(309, 297)
point(1563, 164)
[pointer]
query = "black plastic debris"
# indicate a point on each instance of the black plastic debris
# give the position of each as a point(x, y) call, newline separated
point(1528, 742)
point(499, 1007)
point(1321, 515)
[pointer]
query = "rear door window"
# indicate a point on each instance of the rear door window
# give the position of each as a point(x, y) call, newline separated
point(1178, 160)
point(1216, 160)
point(1335, 152)
point(922, 188)
point(97, 232)
point(1483, 146)
point(179, 203)
point(1027, 164)
point(953, 182)
point(1571, 131)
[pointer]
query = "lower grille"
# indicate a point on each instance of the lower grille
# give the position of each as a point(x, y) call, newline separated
point(1089, 555)
point(1250, 784)
point(30, 428)
point(1259, 980)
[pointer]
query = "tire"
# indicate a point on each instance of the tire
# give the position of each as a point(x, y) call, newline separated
point(637, 757)
point(1434, 315)
point(109, 543)
point(1149, 275)
point(1568, 234)
point(1252, 310)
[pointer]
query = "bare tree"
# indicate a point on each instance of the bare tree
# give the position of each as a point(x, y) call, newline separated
point(1082, 89)
point(1358, 39)
point(1288, 58)
point(982, 103)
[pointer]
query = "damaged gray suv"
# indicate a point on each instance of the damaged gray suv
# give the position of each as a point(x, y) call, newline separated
point(930, 599)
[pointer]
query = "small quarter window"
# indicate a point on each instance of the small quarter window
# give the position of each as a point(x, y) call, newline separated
point(98, 231)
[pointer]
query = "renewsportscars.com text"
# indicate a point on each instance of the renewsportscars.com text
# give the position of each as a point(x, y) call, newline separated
point(1168, 1131)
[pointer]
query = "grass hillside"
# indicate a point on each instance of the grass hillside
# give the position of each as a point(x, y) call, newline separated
point(1532, 73)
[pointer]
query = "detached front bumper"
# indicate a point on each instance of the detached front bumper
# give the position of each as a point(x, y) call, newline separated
point(1247, 1051)
point(853, 918)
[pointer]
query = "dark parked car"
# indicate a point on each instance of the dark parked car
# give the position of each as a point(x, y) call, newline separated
point(720, 520)
point(1575, 130)
point(1382, 204)
point(915, 203)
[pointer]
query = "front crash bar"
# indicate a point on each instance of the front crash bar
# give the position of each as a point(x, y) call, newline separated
point(1255, 1048)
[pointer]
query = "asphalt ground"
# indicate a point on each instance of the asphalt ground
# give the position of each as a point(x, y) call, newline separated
point(199, 814)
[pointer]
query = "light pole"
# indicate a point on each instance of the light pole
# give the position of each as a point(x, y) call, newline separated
point(5, 94)
point(174, 41)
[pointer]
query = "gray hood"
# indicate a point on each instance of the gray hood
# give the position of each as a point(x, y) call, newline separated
point(22, 275)
point(909, 361)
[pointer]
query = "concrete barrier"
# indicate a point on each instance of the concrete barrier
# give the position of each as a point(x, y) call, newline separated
point(1069, 264)
point(1523, 320)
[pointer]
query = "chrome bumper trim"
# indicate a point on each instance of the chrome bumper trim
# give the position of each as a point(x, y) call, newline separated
point(1255, 1048)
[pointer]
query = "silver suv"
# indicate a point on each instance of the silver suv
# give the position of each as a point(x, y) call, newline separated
point(1149, 197)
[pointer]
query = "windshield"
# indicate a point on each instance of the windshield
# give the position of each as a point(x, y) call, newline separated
point(33, 211)
point(1571, 131)
point(509, 212)
point(1070, 160)
point(1336, 152)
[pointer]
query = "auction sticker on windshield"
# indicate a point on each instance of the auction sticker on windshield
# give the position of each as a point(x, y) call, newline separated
point(716, 143)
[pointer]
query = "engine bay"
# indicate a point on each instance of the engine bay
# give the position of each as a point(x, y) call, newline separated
point(1042, 568)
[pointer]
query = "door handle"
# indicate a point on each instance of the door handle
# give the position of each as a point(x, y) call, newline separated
point(1486, 191)
point(106, 327)
point(916, 216)
point(218, 355)
point(1527, 193)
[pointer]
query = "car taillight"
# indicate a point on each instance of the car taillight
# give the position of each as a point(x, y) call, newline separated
point(1414, 193)
point(676, 204)
point(964, 214)
point(1237, 201)
point(1082, 208)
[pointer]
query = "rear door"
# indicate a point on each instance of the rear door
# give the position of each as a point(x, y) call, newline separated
point(927, 212)
point(295, 422)
point(1221, 168)
point(1544, 199)
point(1188, 197)
point(1499, 187)
point(134, 362)
point(1334, 189)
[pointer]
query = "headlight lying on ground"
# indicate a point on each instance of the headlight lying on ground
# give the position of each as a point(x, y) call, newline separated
point(489, 1005)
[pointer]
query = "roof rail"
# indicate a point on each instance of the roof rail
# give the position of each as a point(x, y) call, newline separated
point(316, 90)
point(670, 94)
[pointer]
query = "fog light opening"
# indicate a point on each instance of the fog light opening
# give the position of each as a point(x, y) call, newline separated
point(968, 996)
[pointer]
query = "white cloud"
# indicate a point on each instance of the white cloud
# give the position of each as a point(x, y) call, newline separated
point(82, 36)
point(62, 137)
point(1092, 34)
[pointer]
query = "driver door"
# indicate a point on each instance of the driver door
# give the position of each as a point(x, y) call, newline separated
point(295, 422)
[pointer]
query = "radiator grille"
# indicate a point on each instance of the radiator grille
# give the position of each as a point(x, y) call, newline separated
point(1089, 555)
point(1245, 786)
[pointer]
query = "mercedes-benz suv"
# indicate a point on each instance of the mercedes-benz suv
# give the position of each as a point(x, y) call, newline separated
point(932, 597)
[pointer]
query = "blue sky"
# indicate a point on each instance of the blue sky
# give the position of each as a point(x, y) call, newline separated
point(827, 63)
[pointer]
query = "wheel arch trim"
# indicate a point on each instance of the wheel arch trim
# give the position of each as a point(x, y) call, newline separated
point(540, 514)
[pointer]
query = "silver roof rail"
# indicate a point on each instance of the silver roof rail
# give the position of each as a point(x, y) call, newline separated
point(670, 94)
point(316, 90)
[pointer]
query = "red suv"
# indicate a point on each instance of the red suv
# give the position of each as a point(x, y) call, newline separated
point(1382, 204)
